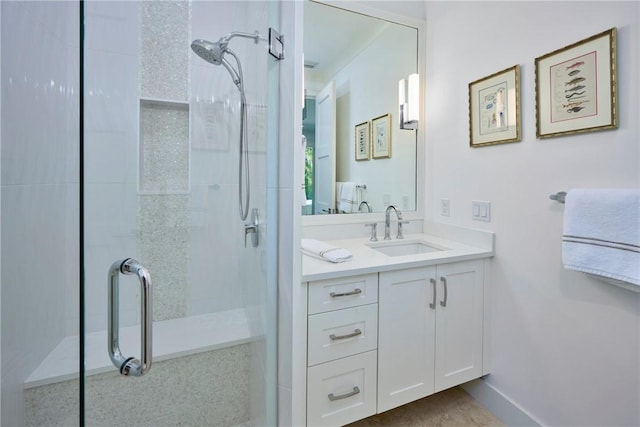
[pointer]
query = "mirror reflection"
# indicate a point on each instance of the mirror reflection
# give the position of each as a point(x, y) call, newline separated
point(357, 159)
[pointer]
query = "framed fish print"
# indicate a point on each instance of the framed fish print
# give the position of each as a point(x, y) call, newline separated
point(362, 141)
point(576, 87)
point(381, 136)
point(494, 108)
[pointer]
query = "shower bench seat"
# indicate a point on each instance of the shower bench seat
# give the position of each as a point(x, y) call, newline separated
point(206, 332)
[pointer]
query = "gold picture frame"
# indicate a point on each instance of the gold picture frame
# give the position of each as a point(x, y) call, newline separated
point(362, 141)
point(576, 87)
point(494, 108)
point(381, 136)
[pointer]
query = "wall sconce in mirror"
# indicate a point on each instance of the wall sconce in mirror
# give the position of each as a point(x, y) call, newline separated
point(409, 99)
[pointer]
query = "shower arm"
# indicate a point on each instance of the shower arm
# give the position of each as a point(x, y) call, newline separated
point(255, 36)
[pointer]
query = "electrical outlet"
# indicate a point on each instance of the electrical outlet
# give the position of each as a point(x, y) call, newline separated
point(445, 207)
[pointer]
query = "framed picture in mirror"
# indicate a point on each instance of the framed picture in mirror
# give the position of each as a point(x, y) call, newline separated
point(494, 108)
point(362, 141)
point(381, 131)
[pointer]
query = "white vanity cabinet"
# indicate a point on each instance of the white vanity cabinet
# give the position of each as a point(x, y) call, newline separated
point(342, 338)
point(430, 330)
point(380, 340)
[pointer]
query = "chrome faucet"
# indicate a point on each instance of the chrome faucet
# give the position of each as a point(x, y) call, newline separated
point(366, 204)
point(387, 223)
point(387, 220)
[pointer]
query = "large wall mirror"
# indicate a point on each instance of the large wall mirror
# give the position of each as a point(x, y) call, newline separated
point(358, 160)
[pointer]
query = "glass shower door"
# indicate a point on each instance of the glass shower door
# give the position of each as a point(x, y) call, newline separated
point(177, 325)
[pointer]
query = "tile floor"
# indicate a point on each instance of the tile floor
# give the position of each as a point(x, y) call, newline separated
point(449, 408)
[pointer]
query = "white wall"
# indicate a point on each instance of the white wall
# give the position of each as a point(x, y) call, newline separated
point(565, 347)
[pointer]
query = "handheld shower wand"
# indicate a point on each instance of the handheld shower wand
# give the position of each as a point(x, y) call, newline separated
point(213, 52)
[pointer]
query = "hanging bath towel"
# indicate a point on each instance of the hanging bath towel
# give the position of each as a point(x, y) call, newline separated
point(348, 201)
point(601, 233)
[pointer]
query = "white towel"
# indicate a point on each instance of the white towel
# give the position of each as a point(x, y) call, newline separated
point(325, 251)
point(601, 233)
point(347, 197)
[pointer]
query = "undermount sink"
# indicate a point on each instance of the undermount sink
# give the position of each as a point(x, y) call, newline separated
point(404, 247)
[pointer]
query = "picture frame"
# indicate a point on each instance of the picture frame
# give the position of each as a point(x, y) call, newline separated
point(362, 141)
point(494, 108)
point(381, 136)
point(576, 87)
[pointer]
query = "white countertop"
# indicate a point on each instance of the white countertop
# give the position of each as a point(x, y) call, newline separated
point(368, 260)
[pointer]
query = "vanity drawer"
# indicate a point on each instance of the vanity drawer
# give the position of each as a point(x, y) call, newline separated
point(342, 333)
point(344, 292)
point(342, 391)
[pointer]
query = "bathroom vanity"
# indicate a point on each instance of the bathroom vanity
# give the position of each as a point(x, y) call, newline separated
point(404, 319)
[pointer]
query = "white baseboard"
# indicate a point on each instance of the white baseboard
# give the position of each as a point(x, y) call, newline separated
point(501, 406)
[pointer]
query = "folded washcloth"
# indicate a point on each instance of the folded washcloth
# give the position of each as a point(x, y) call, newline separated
point(601, 233)
point(325, 251)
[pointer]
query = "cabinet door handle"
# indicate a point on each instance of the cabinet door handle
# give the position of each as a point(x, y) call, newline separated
point(356, 291)
point(355, 333)
point(355, 391)
point(432, 304)
point(444, 284)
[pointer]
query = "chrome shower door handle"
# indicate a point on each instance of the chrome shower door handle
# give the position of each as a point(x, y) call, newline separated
point(130, 366)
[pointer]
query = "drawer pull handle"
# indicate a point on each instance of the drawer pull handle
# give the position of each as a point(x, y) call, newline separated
point(355, 391)
point(356, 291)
point(355, 333)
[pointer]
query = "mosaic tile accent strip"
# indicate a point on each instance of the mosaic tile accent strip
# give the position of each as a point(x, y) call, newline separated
point(164, 53)
point(164, 250)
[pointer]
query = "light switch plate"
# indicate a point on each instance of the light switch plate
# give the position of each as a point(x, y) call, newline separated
point(481, 211)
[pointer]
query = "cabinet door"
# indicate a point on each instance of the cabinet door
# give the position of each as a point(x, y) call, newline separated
point(405, 336)
point(459, 321)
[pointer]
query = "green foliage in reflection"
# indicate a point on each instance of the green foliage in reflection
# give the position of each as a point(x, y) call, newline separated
point(308, 173)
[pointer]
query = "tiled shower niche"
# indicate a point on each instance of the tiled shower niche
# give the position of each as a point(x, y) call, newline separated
point(164, 147)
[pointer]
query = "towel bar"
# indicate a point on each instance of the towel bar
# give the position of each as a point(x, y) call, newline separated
point(558, 197)
point(362, 186)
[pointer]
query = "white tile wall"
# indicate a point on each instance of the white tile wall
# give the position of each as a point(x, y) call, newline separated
point(39, 178)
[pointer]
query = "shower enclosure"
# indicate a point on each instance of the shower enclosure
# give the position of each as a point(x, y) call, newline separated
point(120, 226)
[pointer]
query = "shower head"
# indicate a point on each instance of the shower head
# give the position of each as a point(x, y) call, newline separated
point(209, 51)
point(214, 52)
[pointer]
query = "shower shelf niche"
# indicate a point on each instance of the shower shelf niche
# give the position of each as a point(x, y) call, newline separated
point(168, 102)
point(164, 154)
